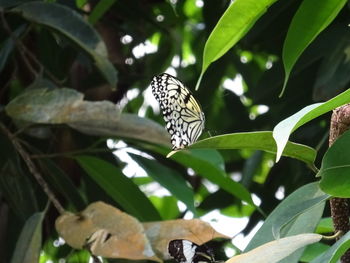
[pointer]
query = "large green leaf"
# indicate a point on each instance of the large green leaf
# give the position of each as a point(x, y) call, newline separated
point(29, 242)
point(169, 179)
point(257, 141)
point(239, 17)
point(333, 254)
point(335, 168)
point(119, 187)
point(70, 24)
point(294, 211)
point(311, 19)
point(305, 219)
point(283, 130)
point(278, 250)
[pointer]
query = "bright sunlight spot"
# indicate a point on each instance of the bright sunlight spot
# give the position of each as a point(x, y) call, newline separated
point(280, 193)
point(127, 39)
point(132, 169)
point(235, 85)
point(144, 48)
point(229, 226)
point(242, 241)
point(199, 3)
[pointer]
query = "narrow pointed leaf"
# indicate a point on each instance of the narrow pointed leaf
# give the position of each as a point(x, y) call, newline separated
point(310, 20)
point(239, 17)
point(29, 242)
point(168, 178)
point(119, 187)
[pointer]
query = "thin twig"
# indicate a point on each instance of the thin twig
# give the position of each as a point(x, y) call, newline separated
point(32, 168)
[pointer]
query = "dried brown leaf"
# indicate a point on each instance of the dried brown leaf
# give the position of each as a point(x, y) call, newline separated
point(107, 231)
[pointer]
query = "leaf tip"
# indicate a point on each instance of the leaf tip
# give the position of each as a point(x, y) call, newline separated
point(171, 153)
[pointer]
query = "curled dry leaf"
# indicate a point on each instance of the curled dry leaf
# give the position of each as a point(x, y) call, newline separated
point(100, 118)
point(107, 232)
point(162, 232)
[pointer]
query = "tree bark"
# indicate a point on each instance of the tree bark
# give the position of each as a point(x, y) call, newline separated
point(340, 122)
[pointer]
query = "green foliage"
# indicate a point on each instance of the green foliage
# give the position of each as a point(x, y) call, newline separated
point(335, 168)
point(72, 132)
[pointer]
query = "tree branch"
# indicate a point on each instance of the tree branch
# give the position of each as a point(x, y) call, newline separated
point(32, 168)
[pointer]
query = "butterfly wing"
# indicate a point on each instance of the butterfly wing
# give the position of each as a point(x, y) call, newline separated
point(185, 251)
point(182, 113)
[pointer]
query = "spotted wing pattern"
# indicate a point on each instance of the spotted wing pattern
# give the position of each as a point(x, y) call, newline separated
point(182, 113)
point(185, 251)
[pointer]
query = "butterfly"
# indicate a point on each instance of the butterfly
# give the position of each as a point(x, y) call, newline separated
point(182, 113)
point(185, 251)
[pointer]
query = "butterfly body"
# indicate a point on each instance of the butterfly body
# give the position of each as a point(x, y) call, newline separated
point(182, 113)
point(185, 251)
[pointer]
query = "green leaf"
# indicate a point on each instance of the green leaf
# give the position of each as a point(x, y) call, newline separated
point(303, 223)
point(278, 250)
point(294, 211)
point(15, 185)
point(335, 168)
point(335, 251)
point(239, 17)
point(312, 251)
point(257, 141)
point(310, 20)
point(283, 130)
point(119, 187)
point(7, 46)
point(59, 181)
point(330, 81)
point(169, 179)
point(210, 165)
point(99, 10)
point(70, 24)
point(29, 242)
point(167, 206)
point(206, 164)
point(18, 191)
point(11, 3)
point(325, 226)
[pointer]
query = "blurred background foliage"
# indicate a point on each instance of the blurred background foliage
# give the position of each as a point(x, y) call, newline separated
point(46, 45)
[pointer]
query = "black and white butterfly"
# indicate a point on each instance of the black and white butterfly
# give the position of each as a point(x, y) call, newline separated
point(185, 251)
point(182, 113)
